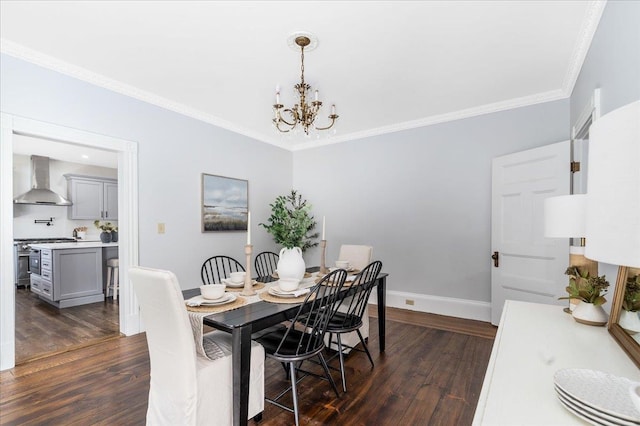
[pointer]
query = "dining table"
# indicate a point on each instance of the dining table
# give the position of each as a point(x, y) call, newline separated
point(259, 315)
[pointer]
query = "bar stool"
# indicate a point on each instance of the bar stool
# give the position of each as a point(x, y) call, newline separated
point(112, 272)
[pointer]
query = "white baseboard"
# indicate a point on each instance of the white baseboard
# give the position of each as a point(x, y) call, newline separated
point(459, 308)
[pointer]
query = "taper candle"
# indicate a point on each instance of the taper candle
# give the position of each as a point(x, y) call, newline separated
point(248, 227)
point(323, 225)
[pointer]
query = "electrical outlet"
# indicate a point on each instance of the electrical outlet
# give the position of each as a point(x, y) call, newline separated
point(160, 228)
point(409, 302)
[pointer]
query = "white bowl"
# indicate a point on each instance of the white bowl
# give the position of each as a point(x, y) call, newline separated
point(212, 291)
point(342, 264)
point(237, 277)
point(288, 284)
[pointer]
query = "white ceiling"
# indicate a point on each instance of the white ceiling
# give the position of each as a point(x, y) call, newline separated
point(29, 145)
point(386, 65)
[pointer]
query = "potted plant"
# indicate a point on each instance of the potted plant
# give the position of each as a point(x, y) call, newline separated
point(291, 225)
point(590, 291)
point(630, 314)
point(107, 228)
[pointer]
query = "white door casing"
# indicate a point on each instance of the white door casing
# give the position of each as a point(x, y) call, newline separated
point(530, 266)
point(127, 224)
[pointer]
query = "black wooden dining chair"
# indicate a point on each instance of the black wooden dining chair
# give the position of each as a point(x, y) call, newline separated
point(216, 268)
point(303, 338)
point(348, 318)
point(266, 263)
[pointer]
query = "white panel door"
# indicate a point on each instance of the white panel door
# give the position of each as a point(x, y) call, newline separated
point(529, 267)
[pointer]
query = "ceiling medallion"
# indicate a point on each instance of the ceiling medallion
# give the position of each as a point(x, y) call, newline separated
point(302, 113)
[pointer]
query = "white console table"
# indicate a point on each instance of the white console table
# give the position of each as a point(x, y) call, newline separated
point(533, 342)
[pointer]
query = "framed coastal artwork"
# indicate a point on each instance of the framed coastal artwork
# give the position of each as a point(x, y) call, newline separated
point(225, 203)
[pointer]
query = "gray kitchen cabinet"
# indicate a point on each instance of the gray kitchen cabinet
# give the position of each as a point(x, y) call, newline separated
point(92, 197)
point(69, 277)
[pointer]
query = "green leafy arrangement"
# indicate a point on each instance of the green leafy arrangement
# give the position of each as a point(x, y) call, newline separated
point(589, 289)
point(631, 300)
point(105, 227)
point(291, 222)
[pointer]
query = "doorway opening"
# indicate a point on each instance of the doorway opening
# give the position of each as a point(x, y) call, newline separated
point(126, 311)
point(43, 329)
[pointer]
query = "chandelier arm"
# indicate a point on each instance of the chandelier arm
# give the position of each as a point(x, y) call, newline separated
point(277, 124)
point(294, 115)
point(333, 118)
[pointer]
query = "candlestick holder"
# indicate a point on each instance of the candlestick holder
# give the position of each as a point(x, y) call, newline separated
point(248, 281)
point(323, 268)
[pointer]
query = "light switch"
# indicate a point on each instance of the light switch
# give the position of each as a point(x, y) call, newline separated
point(160, 228)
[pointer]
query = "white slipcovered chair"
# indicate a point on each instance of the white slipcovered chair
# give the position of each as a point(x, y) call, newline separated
point(186, 388)
point(359, 256)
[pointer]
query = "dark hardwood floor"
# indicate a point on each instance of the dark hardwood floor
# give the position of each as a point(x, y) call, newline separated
point(43, 330)
point(430, 374)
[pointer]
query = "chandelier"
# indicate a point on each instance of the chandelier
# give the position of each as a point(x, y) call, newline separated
point(302, 113)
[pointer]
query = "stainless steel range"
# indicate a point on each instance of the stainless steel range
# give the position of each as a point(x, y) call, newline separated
point(22, 249)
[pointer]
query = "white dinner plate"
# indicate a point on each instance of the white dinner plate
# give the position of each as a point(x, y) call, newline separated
point(351, 270)
point(591, 412)
point(582, 414)
point(201, 301)
point(231, 284)
point(601, 391)
point(276, 291)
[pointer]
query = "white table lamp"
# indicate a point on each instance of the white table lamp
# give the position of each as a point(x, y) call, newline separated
point(613, 187)
point(564, 217)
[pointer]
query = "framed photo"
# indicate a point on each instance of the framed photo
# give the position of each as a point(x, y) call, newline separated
point(225, 203)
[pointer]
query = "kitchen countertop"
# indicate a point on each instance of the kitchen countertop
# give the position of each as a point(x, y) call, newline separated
point(74, 245)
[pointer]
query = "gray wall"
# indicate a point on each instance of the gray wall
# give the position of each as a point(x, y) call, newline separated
point(422, 197)
point(613, 65)
point(613, 61)
point(173, 151)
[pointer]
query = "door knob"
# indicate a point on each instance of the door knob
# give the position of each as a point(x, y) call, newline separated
point(496, 257)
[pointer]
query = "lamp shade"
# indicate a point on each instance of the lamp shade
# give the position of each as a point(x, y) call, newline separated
point(564, 216)
point(613, 187)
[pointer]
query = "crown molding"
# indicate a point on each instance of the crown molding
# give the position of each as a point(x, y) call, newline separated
point(524, 101)
point(583, 43)
point(588, 29)
point(21, 52)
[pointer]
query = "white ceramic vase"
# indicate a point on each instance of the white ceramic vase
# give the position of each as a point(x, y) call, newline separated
point(291, 263)
point(590, 314)
point(630, 321)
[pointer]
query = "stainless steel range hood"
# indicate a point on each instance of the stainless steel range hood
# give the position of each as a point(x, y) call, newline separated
point(40, 192)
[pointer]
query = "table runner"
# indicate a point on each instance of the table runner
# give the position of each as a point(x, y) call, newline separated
point(205, 347)
point(257, 286)
point(209, 349)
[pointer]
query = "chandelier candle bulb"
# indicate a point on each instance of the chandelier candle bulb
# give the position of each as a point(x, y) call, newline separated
point(316, 95)
point(333, 109)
